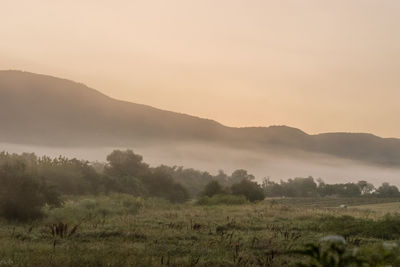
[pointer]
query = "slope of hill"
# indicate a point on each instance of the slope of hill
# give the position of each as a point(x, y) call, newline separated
point(44, 110)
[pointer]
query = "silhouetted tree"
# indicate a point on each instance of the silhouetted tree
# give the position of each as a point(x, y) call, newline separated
point(160, 184)
point(271, 188)
point(299, 187)
point(22, 195)
point(251, 190)
point(213, 188)
point(365, 187)
point(240, 175)
point(125, 163)
point(387, 190)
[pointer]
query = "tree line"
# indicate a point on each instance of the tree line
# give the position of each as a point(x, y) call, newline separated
point(309, 187)
point(29, 182)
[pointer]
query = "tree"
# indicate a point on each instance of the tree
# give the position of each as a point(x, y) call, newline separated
point(69, 176)
point(351, 190)
point(271, 188)
point(213, 188)
point(365, 187)
point(251, 190)
point(160, 184)
point(299, 187)
point(126, 170)
point(125, 163)
point(221, 177)
point(22, 196)
point(387, 190)
point(240, 175)
point(342, 190)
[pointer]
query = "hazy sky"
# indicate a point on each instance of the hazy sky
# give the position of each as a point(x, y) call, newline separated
point(314, 64)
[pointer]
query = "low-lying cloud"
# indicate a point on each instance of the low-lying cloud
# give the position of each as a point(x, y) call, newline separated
point(212, 158)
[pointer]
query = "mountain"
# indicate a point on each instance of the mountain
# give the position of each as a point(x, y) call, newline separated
point(48, 111)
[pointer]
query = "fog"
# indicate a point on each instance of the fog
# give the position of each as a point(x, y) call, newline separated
point(212, 158)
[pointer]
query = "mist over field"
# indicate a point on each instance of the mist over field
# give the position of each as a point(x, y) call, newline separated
point(212, 158)
point(199, 133)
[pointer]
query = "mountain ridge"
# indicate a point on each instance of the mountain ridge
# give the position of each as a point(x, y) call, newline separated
point(45, 110)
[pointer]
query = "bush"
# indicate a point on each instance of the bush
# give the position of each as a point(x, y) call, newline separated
point(224, 199)
point(251, 190)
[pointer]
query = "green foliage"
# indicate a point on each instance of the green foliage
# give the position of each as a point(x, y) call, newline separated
point(387, 228)
point(129, 216)
point(297, 187)
point(213, 188)
point(334, 251)
point(330, 252)
point(380, 254)
point(160, 184)
point(79, 209)
point(123, 230)
point(387, 190)
point(342, 190)
point(128, 174)
point(251, 190)
point(241, 192)
point(70, 176)
point(124, 173)
point(307, 187)
point(67, 176)
point(222, 199)
point(336, 202)
point(22, 196)
point(240, 175)
point(365, 187)
point(193, 180)
point(125, 163)
point(300, 187)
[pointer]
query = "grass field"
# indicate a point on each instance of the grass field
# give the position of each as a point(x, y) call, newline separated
point(121, 230)
point(381, 208)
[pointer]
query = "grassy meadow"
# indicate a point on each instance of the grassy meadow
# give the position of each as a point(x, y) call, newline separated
point(122, 230)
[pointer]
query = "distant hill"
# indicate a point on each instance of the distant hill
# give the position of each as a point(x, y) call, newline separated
point(44, 110)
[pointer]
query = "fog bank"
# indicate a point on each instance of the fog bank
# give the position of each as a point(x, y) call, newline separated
point(206, 157)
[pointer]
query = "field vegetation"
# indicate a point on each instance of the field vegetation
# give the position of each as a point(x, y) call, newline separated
point(66, 212)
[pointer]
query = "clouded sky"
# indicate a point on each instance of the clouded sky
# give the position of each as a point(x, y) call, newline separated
point(317, 65)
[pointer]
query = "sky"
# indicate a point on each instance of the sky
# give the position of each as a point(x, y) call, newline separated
point(318, 65)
